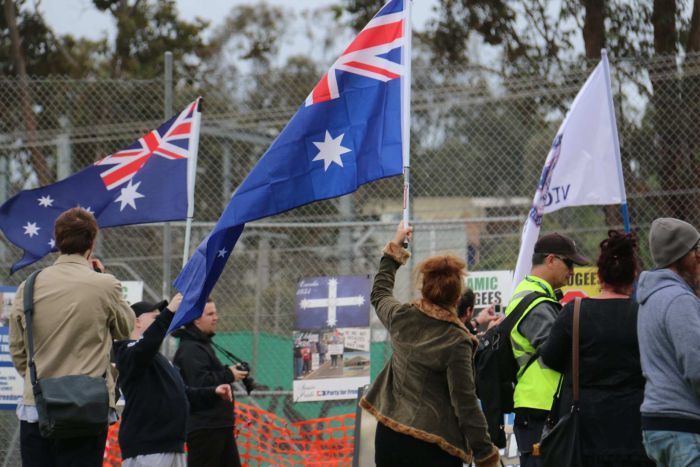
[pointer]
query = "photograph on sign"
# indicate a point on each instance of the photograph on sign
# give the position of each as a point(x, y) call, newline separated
point(331, 337)
point(7, 295)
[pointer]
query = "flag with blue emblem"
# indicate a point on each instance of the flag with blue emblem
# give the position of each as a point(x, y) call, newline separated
point(146, 182)
point(347, 133)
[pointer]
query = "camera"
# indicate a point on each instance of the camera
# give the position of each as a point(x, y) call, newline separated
point(248, 381)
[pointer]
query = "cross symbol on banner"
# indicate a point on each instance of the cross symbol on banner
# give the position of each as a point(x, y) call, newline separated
point(332, 302)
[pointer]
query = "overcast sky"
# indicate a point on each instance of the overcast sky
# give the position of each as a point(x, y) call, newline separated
point(81, 18)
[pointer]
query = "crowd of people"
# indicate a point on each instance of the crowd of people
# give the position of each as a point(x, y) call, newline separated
point(638, 372)
point(639, 367)
point(79, 318)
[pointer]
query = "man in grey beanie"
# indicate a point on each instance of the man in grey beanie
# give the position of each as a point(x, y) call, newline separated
point(669, 344)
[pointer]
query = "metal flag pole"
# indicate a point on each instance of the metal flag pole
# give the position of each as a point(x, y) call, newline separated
point(616, 140)
point(191, 177)
point(406, 115)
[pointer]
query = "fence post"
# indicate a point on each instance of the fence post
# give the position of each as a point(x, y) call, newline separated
point(64, 165)
point(262, 270)
point(344, 248)
point(4, 171)
point(167, 113)
point(168, 346)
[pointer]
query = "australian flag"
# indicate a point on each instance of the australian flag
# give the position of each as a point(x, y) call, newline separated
point(146, 182)
point(347, 133)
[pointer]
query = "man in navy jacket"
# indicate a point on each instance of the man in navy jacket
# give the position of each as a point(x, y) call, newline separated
point(153, 426)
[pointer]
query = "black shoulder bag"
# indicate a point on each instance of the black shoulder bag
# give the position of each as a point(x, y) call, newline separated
point(562, 445)
point(69, 406)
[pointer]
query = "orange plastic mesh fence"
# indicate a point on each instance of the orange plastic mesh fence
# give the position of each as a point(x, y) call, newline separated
point(264, 438)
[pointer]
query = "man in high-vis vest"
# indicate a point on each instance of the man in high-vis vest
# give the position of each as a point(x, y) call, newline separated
point(552, 265)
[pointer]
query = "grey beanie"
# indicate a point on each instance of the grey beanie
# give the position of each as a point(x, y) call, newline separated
point(671, 239)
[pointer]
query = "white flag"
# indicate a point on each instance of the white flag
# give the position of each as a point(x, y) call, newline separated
point(583, 166)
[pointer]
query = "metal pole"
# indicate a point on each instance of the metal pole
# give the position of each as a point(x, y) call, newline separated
point(63, 149)
point(167, 232)
point(226, 178)
point(168, 346)
point(345, 209)
point(616, 139)
point(263, 268)
point(4, 170)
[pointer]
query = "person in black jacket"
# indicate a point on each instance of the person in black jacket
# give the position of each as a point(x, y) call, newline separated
point(210, 440)
point(611, 382)
point(465, 313)
point(152, 431)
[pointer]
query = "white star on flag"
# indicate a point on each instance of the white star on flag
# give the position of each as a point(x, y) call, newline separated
point(222, 253)
point(129, 196)
point(52, 243)
point(45, 201)
point(88, 209)
point(330, 150)
point(31, 229)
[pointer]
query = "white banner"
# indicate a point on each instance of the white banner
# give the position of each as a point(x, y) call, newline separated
point(583, 166)
point(132, 291)
point(489, 287)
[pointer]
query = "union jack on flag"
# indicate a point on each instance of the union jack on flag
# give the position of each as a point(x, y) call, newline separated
point(366, 54)
point(171, 141)
point(350, 131)
point(153, 170)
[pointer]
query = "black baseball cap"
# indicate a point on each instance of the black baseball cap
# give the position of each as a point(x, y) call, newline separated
point(146, 307)
point(558, 244)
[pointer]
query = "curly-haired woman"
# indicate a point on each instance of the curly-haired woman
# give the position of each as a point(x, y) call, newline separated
point(611, 381)
point(424, 399)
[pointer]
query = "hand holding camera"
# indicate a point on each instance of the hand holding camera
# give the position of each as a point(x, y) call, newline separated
point(240, 372)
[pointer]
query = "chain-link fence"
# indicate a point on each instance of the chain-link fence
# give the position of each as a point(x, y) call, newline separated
point(478, 144)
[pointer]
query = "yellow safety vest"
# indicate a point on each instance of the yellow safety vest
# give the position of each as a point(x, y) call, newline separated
point(536, 386)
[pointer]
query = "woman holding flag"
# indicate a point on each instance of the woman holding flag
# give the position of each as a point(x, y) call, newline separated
point(425, 399)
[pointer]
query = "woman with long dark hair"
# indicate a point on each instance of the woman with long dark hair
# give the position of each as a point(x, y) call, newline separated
point(424, 399)
point(611, 381)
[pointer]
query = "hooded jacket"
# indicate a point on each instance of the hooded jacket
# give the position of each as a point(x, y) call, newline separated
point(669, 331)
point(199, 367)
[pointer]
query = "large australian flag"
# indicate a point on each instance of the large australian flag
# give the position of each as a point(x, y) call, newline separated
point(347, 133)
point(146, 182)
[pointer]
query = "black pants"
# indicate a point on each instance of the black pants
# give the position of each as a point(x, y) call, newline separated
point(394, 449)
point(74, 452)
point(528, 426)
point(212, 447)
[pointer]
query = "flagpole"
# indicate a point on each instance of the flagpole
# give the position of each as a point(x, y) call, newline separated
point(406, 115)
point(616, 140)
point(191, 177)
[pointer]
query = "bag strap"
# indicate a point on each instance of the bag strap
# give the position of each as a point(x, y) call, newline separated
point(514, 316)
point(575, 348)
point(28, 314)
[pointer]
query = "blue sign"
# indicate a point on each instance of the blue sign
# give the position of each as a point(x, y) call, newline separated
point(332, 302)
point(11, 383)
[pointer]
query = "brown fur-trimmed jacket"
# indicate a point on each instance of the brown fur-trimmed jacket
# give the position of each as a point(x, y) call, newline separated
point(427, 389)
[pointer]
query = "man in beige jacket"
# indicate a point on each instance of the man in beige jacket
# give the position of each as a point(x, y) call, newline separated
point(77, 314)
